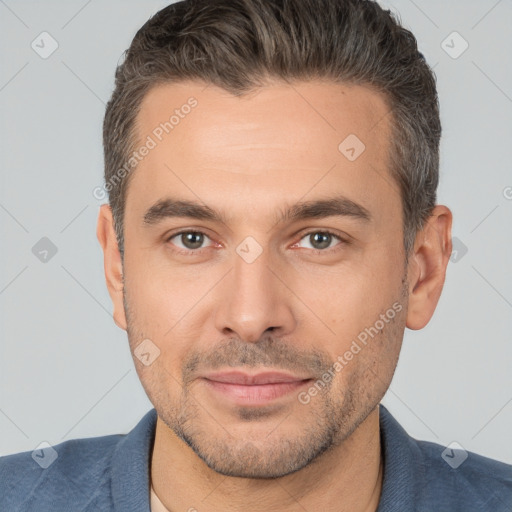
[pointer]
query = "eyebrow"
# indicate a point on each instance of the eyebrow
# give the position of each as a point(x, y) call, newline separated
point(317, 209)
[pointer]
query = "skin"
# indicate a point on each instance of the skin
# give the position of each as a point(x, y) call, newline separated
point(293, 308)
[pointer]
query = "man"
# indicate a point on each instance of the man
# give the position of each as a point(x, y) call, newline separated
point(272, 229)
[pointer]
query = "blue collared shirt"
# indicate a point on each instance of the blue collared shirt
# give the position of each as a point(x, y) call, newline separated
point(111, 473)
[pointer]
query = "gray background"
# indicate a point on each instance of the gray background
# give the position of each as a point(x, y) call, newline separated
point(65, 368)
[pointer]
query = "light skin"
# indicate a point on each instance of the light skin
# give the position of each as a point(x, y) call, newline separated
point(297, 307)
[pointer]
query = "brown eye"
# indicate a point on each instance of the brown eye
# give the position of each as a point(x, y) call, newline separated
point(321, 240)
point(191, 240)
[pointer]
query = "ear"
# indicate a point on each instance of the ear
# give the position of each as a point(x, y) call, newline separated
point(112, 263)
point(427, 267)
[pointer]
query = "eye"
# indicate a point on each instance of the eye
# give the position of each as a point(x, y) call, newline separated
point(189, 240)
point(321, 240)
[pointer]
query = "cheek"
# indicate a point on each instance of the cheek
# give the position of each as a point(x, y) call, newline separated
point(349, 300)
point(156, 297)
point(351, 303)
point(152, 315)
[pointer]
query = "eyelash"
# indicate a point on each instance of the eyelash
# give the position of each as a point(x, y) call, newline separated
point(343, 241)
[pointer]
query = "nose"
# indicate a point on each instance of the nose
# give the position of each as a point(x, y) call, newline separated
point(254, 300)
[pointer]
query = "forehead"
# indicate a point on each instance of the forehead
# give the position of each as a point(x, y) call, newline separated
point(278, 142)
point(320, 112)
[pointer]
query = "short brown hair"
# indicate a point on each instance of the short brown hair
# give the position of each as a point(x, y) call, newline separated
point(239, 44)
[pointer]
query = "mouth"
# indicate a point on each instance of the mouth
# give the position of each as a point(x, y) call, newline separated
point(242, 388)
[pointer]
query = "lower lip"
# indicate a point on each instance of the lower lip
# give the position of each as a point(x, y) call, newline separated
point(255, 394)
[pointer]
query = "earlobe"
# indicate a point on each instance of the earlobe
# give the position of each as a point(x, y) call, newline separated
point(427, 267)
point(113, 265)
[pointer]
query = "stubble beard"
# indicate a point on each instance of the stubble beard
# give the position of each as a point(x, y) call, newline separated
point(321, 425)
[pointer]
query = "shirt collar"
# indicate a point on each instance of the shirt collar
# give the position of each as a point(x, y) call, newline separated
point(131, 466)
point(400, 471)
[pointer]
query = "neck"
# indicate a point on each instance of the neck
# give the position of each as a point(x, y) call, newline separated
point(346, 478)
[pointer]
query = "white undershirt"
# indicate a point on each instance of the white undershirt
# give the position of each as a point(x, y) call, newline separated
point(156, 504)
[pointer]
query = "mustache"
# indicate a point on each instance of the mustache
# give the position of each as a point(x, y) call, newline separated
point(267, 352)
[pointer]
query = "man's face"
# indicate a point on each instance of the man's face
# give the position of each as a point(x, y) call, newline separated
point(254, 291)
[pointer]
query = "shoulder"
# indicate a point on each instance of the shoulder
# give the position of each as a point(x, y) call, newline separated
point(56, 476)
point(98, 473)
point(461, 476)
point(426, 476)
